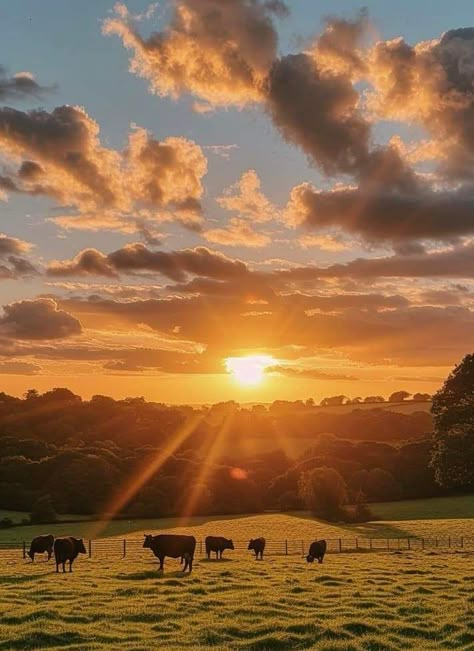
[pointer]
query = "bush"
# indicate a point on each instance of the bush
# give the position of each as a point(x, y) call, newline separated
point(323, 492)
point(6, 523)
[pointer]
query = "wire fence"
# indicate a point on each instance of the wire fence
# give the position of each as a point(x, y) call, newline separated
point(133, 547)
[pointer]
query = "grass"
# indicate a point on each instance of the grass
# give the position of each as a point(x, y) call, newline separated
point(369, 602)
point(430, 517)
point(435, 508)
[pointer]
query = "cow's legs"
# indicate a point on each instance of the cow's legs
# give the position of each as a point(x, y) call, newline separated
point(190, 564)
point(162, 560)
point(64, 567)
point(49, 555)
point(70, 566)
point(57, 567)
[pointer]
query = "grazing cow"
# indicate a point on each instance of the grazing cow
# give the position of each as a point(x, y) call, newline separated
point(67, 549)
point(174, 546)
point(317, 550)
point(40, 545)
point(217, 544)
point(258, 545)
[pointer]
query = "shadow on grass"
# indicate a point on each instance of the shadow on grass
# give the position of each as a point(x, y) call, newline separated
point(151, 575)
point(378, 529)
point(216, 560)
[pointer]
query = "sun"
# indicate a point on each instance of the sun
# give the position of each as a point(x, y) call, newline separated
point(250, 370)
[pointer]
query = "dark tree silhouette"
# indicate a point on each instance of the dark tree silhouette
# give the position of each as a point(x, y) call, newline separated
point(323, 491)
point(452, 456)
point(399, 396)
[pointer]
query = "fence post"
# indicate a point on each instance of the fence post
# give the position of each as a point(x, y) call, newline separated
point(422, 543)
point(370, 543)
point(449, 541)
point(462, 541)
point(124, 548)
point(24, 549)
point(340, 545)
point(409, 543)
point(357, 544)
point(302, 548)
point(436, 542)
point(388, 543)
point(90, 548)
point(286, 547)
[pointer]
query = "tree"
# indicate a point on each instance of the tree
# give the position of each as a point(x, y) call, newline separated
point(43, 511)
point(370, 399)
point(421, 397)
point(323, 491)
point(399, 396)
point(334, 401)
point(452, 456)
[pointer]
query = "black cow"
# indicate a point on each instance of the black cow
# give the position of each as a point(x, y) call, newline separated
point(67, 549)
point(217, 544)
point(40, 545)
point(317, 550)
point(258, 545)
point(174, 546)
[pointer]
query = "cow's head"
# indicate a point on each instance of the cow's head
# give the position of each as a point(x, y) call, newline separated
point(229, 544)
point(30, 554)
point(251, 544)
point(80, 546)
point(310, 558)
point(148, 540)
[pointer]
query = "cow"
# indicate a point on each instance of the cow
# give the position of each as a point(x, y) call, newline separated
point(217, 544)
point(317, 550)
point(258, 545)
point(40, 545)
point(67, 549)
point(172, 545)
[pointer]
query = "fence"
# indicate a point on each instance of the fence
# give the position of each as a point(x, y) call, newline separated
point(133, 547)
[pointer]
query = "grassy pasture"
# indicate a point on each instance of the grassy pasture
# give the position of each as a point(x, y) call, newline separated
point(443, 516)
point(353, 602)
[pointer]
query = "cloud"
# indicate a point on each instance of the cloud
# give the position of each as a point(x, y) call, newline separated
point(21, 86)
point(19, 368)
point(381, 214)
point(430, 83)
point(246, 199)
point(218, 51)
point(238, 233)
point(323, 242)
point(308, 373)
point(13, 264)
point(37, 319)
point(60, 155)
point(137, 258)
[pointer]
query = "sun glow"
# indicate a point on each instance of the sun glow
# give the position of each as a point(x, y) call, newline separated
point(249, 371)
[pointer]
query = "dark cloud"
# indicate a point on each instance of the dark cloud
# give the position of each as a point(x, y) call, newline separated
point(137, 258)
point(21, 86)
point(13, 264)
point(37, 319)
point(381, 214)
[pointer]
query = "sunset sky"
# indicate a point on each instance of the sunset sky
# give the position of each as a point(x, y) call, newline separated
point(193, 182)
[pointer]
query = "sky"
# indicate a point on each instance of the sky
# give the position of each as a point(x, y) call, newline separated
point(204, 200)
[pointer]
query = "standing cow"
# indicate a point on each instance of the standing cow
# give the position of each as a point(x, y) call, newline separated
point(40, 545)
point(258, 545)
point(67, 549)
point(174, 546)
point(217, 544)
point(317, 550)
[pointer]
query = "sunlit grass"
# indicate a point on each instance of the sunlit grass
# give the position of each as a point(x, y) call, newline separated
point(385, 601)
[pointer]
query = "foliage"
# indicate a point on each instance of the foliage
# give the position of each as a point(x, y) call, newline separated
point(453, 441)
point(323, 492)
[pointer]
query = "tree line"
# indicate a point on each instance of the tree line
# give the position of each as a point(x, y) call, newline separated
point(61, 454)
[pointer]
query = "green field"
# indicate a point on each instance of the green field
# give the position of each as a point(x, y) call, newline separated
point(443, 516)
point(373, 602)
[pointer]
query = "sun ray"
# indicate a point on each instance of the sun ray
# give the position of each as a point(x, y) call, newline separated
point(136, 481)
point(206, 465)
